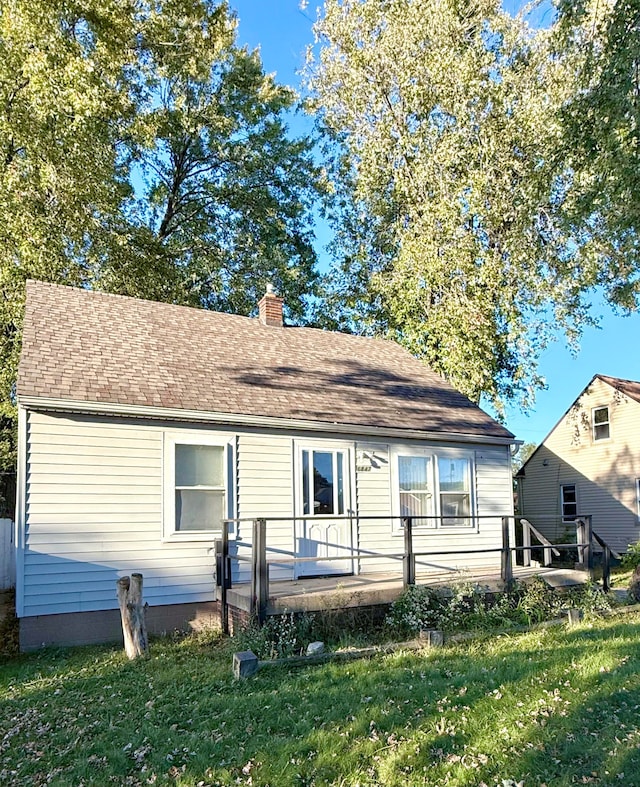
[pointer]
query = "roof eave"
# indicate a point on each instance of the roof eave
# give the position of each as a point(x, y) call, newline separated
point(241, 419)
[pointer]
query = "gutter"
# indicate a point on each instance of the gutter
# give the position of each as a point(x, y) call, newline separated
point(240, 419)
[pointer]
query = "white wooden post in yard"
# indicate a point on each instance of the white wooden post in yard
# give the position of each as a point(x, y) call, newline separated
point(7, 555)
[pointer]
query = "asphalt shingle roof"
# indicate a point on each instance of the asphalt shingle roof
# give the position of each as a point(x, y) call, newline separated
point(93, 347)
point(630, 388)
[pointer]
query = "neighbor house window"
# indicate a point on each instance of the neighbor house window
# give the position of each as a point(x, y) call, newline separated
point(435, 488)
point(323, 483)
point(638, 497)
point(196, 499)
point(601, 423)
point(454, 486)
point(568, 502)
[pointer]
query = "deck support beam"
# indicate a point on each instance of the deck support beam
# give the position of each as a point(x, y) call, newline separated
point(259, 572)
point(223, 575)
point(409, 559)
point(506, 568)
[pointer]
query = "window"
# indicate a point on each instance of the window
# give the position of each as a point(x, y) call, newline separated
point(568, 502)
point(323, 490)
point(435, 488)
point(455, 491)
point(600, 417)
point(416, 499)
point(638, 498)
point(196, 473)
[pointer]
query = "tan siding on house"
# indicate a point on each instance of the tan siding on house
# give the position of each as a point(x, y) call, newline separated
point(604, 471)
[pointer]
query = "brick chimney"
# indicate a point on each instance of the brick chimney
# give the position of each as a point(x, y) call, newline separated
point(270, 308)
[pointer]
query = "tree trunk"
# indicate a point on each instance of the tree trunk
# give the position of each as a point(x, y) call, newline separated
point(132, 612)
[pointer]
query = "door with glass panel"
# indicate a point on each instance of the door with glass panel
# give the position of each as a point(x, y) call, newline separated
point(322, 503)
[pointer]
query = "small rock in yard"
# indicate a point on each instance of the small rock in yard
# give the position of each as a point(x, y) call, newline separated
point(245, 664)
point(432, 637)
point(315, 648)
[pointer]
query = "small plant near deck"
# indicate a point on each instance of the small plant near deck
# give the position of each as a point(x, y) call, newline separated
point(465, 607)
point(631, 558)
point(591, 599)
point(538, 601)
point(419, 607)
point(281, 636)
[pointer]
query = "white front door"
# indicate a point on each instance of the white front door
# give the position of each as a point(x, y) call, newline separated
point(323, 503)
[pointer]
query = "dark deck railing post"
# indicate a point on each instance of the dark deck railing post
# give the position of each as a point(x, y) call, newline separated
point(584, 537)
point(223, 575)
point(589, 548)
point(506, 568)
point(606, 569)
point(409, 559)
point(259, 571)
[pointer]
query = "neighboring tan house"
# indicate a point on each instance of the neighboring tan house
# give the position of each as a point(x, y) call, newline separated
point(589, 464)
point(143, 425)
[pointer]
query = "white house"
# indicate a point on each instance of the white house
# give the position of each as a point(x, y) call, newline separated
point(143, 425)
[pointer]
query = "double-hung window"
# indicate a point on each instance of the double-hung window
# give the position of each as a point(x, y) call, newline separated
point(601, 425)
point(415, 487)
point(196, 494)
point(435, 487)
point(454, 485)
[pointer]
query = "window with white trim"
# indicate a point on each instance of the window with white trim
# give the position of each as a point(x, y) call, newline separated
point(568, 502)
point(435, 487)
point(601, 425)
point(454, 485)
point(196, 475)
point(638, 498)
point(415, 487)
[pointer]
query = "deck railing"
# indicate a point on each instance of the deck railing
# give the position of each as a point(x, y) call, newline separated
point(260, 560)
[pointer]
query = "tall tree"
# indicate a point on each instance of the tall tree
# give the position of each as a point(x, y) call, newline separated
point(452, 237)
point(143, 152)
point(597, 45)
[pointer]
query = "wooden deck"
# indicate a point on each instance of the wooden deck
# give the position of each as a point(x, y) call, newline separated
point(366, 590)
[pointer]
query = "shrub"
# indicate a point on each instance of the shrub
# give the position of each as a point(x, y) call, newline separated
point(281, 636)
point(465, 607)
point(537, 600)
point(419, 607)
point(631, 558)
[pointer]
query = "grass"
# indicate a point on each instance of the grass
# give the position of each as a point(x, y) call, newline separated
point(552, 706)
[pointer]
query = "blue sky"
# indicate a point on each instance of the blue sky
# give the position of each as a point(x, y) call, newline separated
point(282, 31)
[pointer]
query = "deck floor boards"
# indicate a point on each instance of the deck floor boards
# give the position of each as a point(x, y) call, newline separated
point(314, 594)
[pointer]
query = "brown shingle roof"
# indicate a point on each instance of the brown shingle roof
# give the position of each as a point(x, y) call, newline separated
point(630, 388)
point(93, 347)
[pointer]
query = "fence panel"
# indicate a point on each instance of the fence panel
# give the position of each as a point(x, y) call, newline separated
point(7, 555)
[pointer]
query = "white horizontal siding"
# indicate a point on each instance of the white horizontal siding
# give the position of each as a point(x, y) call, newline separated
point(265, 489)
point(94, 502)
point(493, 500)
point(94, 513)
point(374, 500)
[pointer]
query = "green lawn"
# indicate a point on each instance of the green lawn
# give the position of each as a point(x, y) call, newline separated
point(555, 706)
